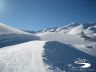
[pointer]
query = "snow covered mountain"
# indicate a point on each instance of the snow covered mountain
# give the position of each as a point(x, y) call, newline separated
point(74, 28)
point(88, 28)
point(59, 49)
point(61, 29)
point(5, 29)
point(12, 36)
point(73, 34)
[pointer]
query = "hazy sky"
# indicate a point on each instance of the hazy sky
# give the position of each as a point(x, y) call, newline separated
point(40, 14)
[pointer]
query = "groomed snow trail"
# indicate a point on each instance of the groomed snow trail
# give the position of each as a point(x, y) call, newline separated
point(25, 57)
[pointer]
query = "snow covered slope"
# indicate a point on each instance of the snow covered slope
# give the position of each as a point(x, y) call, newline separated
point(11, 36)
point(41, 56)
point(61, 37)
point(75, 40)
point(56, 50)
point(72, 34)
point(76, 30)
point(88, 28)
point(91, 30)
point(5, 29)
point(22, 58)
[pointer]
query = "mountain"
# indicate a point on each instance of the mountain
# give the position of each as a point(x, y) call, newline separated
point(61, 29)
point(69, 33)
point(42, 56)
point(75, 35)
point(11, 36)
point(74, 28)
point(88, 28)
point(91, 30)
point(60, 49)
point(5, 29)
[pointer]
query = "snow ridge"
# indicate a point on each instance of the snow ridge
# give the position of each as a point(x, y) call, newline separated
point(5, 29)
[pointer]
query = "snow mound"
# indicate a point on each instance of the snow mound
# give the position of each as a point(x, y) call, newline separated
point(41, 56)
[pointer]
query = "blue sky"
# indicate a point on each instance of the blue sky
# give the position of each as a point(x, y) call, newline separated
point(41, 14)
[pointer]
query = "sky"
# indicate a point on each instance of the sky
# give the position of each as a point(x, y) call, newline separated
point(42, 14)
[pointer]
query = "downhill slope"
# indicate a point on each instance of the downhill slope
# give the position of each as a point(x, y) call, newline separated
point(22, 58)
point(75, 40)
point(5, 29)
point(42, 56)
point(12, 36)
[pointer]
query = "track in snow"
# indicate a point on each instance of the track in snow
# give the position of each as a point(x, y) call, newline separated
point(26, 57)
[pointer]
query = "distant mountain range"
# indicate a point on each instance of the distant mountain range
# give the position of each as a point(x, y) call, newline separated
point(74, 28)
